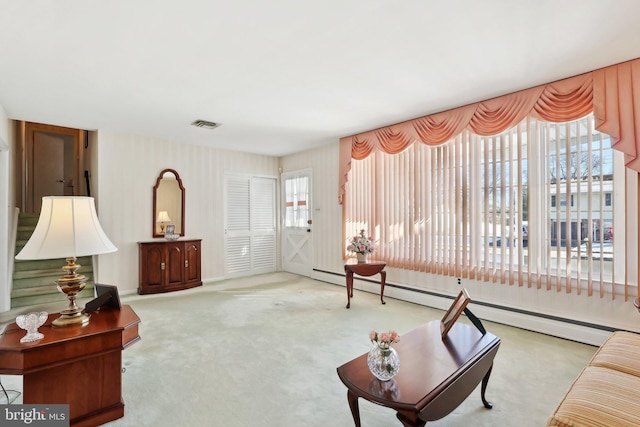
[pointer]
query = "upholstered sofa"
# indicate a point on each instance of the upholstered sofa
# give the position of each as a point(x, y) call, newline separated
point(607, 391)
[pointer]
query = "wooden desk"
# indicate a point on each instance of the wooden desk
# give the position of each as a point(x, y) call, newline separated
point(435, 376)
point(76, 365)
point(364, 269)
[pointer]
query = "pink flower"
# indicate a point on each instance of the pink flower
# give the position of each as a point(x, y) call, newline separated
point(361, 243)
point(384, 338)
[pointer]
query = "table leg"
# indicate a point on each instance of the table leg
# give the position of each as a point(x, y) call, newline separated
point(353, 404)
point(406, 422)
point(485, 380)
point(349, 276)
point(383, 281)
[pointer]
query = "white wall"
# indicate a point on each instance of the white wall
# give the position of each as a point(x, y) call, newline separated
point(124, 170)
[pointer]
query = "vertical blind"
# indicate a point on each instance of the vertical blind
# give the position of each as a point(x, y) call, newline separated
point(532, 206)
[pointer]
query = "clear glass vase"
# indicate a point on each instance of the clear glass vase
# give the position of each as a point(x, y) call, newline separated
point(383, 361)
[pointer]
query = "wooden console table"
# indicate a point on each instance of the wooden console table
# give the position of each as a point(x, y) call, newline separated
point(76, 365)
point(169, 265)
point(364, 269)
point(435, 375)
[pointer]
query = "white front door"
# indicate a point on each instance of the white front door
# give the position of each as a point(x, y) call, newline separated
point(297, 222)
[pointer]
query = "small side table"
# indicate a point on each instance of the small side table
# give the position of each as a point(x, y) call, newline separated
point(364, 269)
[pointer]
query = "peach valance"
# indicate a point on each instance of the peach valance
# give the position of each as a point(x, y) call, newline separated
point(609, 92)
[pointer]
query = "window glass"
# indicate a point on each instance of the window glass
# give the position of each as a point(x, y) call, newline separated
point(296, 201)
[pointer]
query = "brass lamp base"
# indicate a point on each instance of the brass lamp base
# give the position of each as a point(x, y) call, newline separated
point(71, 285)
point(67, 319)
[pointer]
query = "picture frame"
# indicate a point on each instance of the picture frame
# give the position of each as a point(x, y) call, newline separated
point(455, 310)
point(170, 229)
point(107, 296)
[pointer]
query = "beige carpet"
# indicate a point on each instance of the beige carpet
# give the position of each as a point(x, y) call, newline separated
point(263, 351)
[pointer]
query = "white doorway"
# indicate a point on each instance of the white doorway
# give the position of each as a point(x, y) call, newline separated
point(297, 222)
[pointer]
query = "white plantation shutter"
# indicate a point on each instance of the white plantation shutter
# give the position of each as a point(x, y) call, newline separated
point(237, 224)
point(263, 224)
point(238, 254)
point(238, 203)
point(250, 232)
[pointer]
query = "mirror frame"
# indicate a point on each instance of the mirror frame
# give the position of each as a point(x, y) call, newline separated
point(155, 190)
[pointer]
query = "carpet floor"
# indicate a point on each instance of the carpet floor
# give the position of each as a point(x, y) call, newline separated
point(263, 351)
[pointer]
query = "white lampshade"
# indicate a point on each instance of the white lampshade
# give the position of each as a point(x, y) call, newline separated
point(163, 216)
point(68, 227)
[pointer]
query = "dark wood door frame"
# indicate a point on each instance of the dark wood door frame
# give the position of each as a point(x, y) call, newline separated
point(28, 179)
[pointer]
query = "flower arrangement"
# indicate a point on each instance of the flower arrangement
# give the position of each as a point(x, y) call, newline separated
point(361, 244)
point(384, 339)
point(383, 360)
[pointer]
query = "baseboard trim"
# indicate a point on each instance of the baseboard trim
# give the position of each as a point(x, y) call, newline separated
point(570, 329)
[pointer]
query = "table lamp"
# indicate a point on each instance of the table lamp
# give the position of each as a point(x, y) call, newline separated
point(163, 218)
point(68, 227)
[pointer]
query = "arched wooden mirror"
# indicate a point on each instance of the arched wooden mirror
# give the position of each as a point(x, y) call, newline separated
point(168, 203)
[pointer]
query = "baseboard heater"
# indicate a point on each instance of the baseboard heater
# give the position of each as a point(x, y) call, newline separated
point(484, 304)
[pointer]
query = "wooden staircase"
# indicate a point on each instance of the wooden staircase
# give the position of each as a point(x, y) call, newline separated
point(34, 280)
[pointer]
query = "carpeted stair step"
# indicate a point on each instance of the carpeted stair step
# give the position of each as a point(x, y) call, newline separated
point(49, 290)
point(45, 294)
point(51, 264)
point(42, 278)
point(26, 226)
point(29, 219)
point(34, 280)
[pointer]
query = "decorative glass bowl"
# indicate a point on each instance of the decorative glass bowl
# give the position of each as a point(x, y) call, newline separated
point(31, 322)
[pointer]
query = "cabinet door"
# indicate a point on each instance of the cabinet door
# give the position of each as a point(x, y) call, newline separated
point(151, 268)
point(175, 265)
point(192, 264)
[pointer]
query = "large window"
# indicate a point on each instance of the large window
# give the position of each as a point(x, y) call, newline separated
point(536, 205)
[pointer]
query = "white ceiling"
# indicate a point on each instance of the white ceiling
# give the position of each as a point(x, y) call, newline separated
point(282, 76)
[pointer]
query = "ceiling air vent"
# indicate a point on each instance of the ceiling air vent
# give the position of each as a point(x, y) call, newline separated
point(205, 124)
